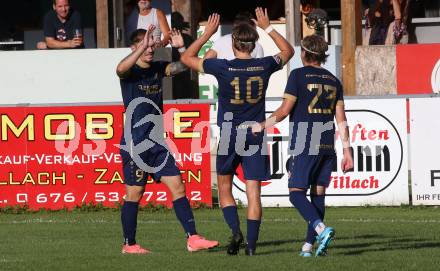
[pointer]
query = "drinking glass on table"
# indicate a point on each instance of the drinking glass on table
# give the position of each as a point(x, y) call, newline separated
point(78, 37)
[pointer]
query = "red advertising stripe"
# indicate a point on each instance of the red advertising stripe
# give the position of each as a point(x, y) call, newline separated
point(415, 67)
point(56, 157)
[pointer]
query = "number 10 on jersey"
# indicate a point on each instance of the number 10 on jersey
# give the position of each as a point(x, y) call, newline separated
point(256, 80)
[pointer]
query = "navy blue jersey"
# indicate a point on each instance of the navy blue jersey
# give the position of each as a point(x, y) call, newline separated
point(242, 86)
point(316, 92)
point(146, 83)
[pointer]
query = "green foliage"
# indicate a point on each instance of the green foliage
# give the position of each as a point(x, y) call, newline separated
point(17, 209)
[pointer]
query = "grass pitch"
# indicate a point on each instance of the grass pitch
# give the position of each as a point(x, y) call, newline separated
point(366, 239)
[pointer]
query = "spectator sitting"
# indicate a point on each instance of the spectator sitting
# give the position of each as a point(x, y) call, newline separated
point(379, 18)
point(144, 16)
point(398, 29)
point(306, 7)
point(62, 27)
point(222, 47)
point(387, 22)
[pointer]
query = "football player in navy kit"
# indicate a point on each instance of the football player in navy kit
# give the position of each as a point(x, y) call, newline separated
point(313, 98)
point(143, 148)
point(242, 89)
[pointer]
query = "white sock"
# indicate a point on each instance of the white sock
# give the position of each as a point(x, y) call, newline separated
point(307, 247)
point(320, 228)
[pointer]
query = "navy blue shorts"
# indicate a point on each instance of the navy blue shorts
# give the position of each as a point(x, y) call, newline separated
point(255, 167)
point(307, 170)
point(154, 157)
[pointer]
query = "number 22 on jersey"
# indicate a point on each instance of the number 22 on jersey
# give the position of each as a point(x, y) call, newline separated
point(330, 92)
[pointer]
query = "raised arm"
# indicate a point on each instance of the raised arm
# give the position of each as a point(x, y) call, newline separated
point(164, 27)
point(396, 10)
point(128, 62)
point(176, 41)
point(282, 44)
point(189, 57)
point(341, 120)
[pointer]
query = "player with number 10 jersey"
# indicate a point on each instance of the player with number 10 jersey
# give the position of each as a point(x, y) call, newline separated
point(242, 83)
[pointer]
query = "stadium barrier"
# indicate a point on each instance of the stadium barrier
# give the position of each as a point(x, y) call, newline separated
point(379, 141)
point(393, 138)
point(77, 86)
point(418, 68)
point(424, 150)
point(55, 156)
point(401, 69)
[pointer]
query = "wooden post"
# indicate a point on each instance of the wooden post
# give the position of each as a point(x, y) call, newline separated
point(293, 22)
point(187, 84)
point(186, 8)
point(351, 25)
point(118, 24)
point(102, 33)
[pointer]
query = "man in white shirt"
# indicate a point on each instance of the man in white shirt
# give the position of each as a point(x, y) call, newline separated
point(145, 15)
point(222, 47)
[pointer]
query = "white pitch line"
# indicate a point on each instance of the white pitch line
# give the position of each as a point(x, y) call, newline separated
point(368, 220)
point(147, 221)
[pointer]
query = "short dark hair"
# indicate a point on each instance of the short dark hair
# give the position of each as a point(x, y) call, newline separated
point(306, 2)
point(244, 17)
point(244, 37)
point(137, 36)
point(314, 47)
point(55, 2)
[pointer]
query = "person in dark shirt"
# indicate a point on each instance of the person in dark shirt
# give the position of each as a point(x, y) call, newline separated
point(143, 148)
point(62, 27)
point(313, 98)
point(242, 89)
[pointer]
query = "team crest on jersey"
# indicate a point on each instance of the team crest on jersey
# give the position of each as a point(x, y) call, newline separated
point(150, 89)
point(61, 34)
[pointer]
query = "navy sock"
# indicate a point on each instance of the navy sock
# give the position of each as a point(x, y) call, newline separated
point(305, 207)
point(231, 217)
point(311, 235)
point(319, 202)
point(185, 215)
point(253, 229)
point(129, 221)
